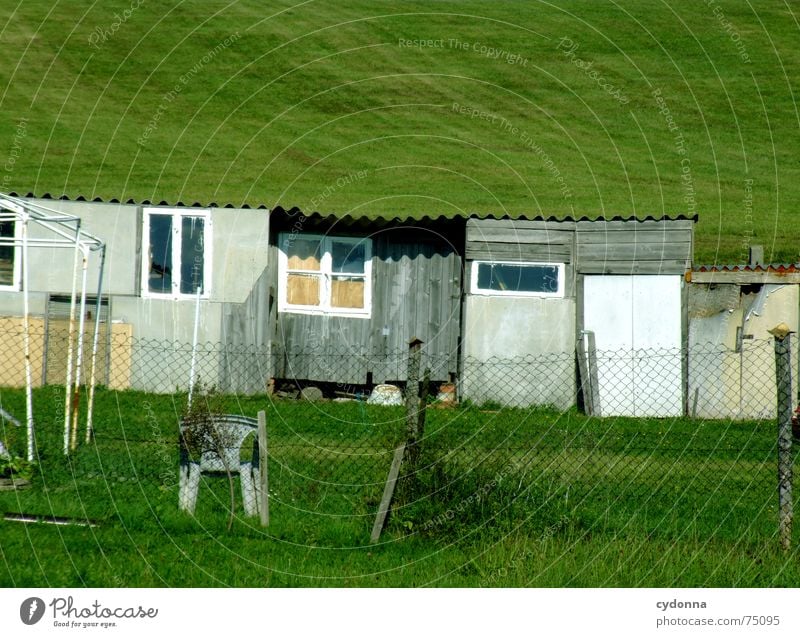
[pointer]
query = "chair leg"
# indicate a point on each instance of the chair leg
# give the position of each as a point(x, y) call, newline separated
point(192, 486)
point(248, 490)
point(183, 485)
point(257, 489)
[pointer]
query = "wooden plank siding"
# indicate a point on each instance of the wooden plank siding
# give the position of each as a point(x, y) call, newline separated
point(246, 361)
point(509, 240)
point(416, 292)
point(634, 247)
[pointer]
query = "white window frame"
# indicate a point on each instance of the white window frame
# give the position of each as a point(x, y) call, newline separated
point(326, 273)
point(177, 215)
point(17, 272)
point(558, 294)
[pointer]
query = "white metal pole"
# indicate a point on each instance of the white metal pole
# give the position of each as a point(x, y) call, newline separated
point(27, 337)
point(70, 332)
point(194, 345)
point(79, 363)
point(93, 379)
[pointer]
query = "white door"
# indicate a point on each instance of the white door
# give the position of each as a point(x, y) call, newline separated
point(637, 325)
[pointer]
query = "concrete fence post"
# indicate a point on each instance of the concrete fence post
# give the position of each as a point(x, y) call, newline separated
point(263, 469)
point(783, 378)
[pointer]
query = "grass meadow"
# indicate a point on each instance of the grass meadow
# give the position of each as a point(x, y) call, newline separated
point(500, 497)
point(412, 108)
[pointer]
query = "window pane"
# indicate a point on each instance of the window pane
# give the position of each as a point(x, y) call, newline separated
point(303, 289)
point(347, 292)
point(348, 258)
point(7, 254)
point(160, 276)
point(192, 246)
point(518, 278)
point(304, 254)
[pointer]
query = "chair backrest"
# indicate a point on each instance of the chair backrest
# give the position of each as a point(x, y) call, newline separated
point(230, 432)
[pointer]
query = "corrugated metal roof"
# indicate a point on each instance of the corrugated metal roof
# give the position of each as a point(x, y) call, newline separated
point(139, 202)
point(349, 219)
point(359, 219)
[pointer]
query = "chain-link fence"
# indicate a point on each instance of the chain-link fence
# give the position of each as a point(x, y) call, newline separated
point(674, 443)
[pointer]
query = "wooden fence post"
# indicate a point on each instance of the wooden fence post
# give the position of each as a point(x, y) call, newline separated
point(263, 468)
point(783, 378)
point(388, 493)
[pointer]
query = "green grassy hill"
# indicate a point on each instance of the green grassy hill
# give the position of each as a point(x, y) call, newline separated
point(579, 108)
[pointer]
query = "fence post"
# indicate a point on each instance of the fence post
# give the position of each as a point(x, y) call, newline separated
point(587, 368)
point(783, 378)
point(412, 399)
point(388, 494)
point(263, 468)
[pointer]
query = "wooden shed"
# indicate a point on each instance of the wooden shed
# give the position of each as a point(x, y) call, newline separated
point(536, 287)
point(344, 295)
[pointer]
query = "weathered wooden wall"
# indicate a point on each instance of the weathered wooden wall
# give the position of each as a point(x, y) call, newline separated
point(416, 292)
point(247, 328)
point(634, 247)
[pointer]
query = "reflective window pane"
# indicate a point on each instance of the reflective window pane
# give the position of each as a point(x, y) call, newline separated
point(505, 277)
point(192, 250)
point(160, 246)
point(7, 254)
point(348, 258)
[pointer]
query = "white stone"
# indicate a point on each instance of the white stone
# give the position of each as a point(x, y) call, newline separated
point(385, 395)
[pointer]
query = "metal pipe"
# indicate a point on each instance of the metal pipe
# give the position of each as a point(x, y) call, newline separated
point(79, 363)
point(27, 339)
point(70, 332)
point(194, 345)
point(93, 379)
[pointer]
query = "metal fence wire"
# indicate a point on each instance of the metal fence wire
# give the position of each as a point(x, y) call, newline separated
point(680, 443)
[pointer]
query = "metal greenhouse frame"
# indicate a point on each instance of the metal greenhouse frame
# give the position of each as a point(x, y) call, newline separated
point(62, 231)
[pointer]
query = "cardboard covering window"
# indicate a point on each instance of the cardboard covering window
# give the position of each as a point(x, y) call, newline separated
point(325, 274)
point(303, 289)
